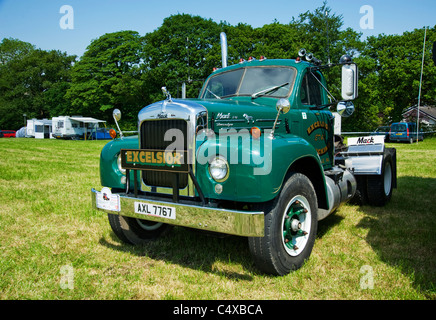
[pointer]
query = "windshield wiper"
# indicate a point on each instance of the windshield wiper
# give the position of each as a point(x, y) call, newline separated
point(257, 94)
point(208, 90)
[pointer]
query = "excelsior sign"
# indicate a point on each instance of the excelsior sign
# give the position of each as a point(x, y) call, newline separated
point(175, 161)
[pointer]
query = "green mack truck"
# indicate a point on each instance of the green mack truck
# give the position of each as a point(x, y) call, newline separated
point(255, 156)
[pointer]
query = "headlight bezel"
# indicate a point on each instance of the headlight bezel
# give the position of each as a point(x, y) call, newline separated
point(219, 163)
point(123, 171)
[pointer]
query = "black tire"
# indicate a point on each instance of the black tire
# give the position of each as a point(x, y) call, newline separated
point(277, 252)
point(136, 231)
point(379, 187)
point(114, 222)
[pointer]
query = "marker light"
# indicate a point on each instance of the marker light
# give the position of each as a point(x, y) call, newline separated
point(242, 60)
point(255, 132)
point(113, 133)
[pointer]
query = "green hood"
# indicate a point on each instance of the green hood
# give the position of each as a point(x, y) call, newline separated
point(239, 113)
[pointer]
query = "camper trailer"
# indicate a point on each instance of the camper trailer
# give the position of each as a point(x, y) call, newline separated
point(30, 128)
point(43, 129)
point(76, 127)
point(38, 128)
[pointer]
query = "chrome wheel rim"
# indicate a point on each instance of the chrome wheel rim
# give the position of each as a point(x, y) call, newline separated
point(148, 225)
point(296, 225)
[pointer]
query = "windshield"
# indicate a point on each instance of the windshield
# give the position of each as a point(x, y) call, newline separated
point(253, 81)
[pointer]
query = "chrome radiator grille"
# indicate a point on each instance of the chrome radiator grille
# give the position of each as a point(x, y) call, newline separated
point(152, 135)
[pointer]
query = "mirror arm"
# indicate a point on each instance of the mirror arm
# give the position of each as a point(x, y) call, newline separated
point(275, 123)
point(323, 86)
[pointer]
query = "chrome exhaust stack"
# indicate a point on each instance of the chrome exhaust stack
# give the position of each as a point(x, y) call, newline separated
point(223, 38)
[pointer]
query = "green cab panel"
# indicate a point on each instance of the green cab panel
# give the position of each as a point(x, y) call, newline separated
point(257, 172)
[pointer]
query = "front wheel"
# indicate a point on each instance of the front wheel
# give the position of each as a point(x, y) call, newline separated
point(290, 228)
point(136, 231)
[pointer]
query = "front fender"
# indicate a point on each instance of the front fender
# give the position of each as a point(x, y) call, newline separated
point(110, 175)
point(258, 172)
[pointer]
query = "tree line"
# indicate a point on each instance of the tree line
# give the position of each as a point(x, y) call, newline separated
point(125, 70)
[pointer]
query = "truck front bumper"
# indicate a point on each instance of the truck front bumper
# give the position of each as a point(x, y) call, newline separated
point(240, 223)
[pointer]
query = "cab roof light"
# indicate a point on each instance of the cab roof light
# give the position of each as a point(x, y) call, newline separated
point(242, 60)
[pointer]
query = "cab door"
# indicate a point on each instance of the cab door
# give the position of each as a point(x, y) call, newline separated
point(318, 125)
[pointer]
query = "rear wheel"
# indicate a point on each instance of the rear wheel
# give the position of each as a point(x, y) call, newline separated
point(379, 187)
point(290, 228)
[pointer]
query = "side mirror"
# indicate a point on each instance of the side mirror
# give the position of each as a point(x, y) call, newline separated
point(283, 106)
point(345, 108)
point(117, 116)
point(349, 81)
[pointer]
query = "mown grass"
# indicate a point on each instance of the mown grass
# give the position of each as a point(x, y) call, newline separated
point(47, 227)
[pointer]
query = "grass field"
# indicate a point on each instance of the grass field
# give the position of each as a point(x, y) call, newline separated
point(53, 246)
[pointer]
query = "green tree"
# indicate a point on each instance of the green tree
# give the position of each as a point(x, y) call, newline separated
point(32, 82)
point(12, 49)
point(183, 49)
point(390, 70)
point(320, 33)
point(276, 41)
point(108, 77)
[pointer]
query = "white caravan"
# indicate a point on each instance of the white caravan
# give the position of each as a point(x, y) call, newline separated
point(76, 127)
point(43, 129)
point(38, 128)
point(30, 128)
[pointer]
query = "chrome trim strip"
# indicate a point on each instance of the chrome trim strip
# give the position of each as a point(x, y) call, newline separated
point(240, 223)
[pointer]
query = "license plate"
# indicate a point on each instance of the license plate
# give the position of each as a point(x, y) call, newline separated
point(399, 134)
point(155, 210)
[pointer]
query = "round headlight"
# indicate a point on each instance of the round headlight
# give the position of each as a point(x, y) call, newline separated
point(123, 171)
point(219, 169)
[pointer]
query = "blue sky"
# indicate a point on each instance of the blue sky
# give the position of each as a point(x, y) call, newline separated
point(38, 21)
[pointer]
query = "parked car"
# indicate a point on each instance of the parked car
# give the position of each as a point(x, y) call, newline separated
point(382, 131)
point(405, 131)
point(8, 134)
